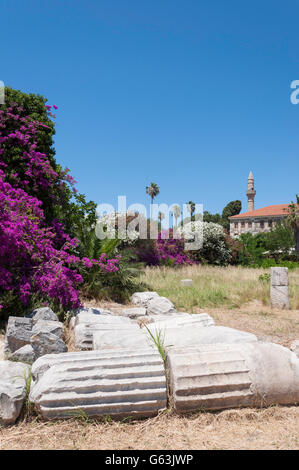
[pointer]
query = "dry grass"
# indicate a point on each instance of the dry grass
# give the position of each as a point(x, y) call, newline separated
point(272, 428)
point(233, 297)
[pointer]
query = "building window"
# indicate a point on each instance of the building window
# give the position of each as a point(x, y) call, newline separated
point(236, 224)
point(262, 224)
point(270, 223)
point(249, 224)
point(243, 224)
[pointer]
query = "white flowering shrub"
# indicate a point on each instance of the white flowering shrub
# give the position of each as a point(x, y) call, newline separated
point(118, 225)
point(214, 248)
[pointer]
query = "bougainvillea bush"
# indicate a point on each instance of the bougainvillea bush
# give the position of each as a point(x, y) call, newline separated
point(39, 260)
point(170, 251)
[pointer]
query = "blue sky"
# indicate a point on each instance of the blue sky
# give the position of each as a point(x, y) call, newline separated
point(189, 94)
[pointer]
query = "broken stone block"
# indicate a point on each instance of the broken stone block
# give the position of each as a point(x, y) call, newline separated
point(84, 331)
point(187, 282)
point(279, 276)
point(280, 297)
point(219, 376)
point(168, 316)
point(122, 339)
point(132, 313)
point(18, 334)
point(12, 390)
point(118, 384)
point(43, 313)
point(91, 311)
point(24, 354)
point(48, 326)
point(100, 319)
point(160, 306)
point(143, 298)
point(196, 319)
point(46, 343)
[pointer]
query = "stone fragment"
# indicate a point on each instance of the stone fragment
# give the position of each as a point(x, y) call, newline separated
point(122, 339)
point(90, 319)
point(168, 316)
point(295, 347)
point(279, 276)
point(160, 306)
point(132, 313)
point(47, 343)
point(219, 376)
point(84, 332)
point(118, 384)
point(280, 297)
point(91, 311)
point(48, 326)
point(43, 313)
point(143, 298)
point(12, 390)
point(193, 334)
point(18, 334)
point(24, 354)
point(197, 319)
point(187, 282)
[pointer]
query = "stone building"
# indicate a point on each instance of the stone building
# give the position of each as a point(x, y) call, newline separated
point(256, 220)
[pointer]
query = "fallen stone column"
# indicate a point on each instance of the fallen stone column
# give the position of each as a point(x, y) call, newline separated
point(196, 334)
point(279, 290)
point(118, 384)
point(219, 376)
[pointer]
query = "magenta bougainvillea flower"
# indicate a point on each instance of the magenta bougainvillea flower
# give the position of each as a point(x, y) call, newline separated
point(30, 262)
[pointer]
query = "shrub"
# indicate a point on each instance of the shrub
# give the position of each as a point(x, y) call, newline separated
point(214, 247)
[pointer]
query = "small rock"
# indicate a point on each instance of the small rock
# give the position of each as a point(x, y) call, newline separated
point(44, 313)
point(24, 354)
point(48, 326)
point(187, 282)
point(160, 306)
point(143, 298)
point(47, 343)
point(12, 390)
point(18, 334)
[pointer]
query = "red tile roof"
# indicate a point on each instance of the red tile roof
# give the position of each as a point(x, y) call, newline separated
point(279, 209)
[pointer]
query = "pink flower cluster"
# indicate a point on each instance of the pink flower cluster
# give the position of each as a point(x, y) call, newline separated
point(170, 250)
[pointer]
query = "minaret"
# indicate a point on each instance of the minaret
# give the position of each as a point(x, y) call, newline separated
point(250, 192)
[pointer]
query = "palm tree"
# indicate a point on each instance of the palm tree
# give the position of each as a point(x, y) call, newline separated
point(191, 208)
point(176, 213)
point(153, 191)
point(293, 219)
point(161, 216)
